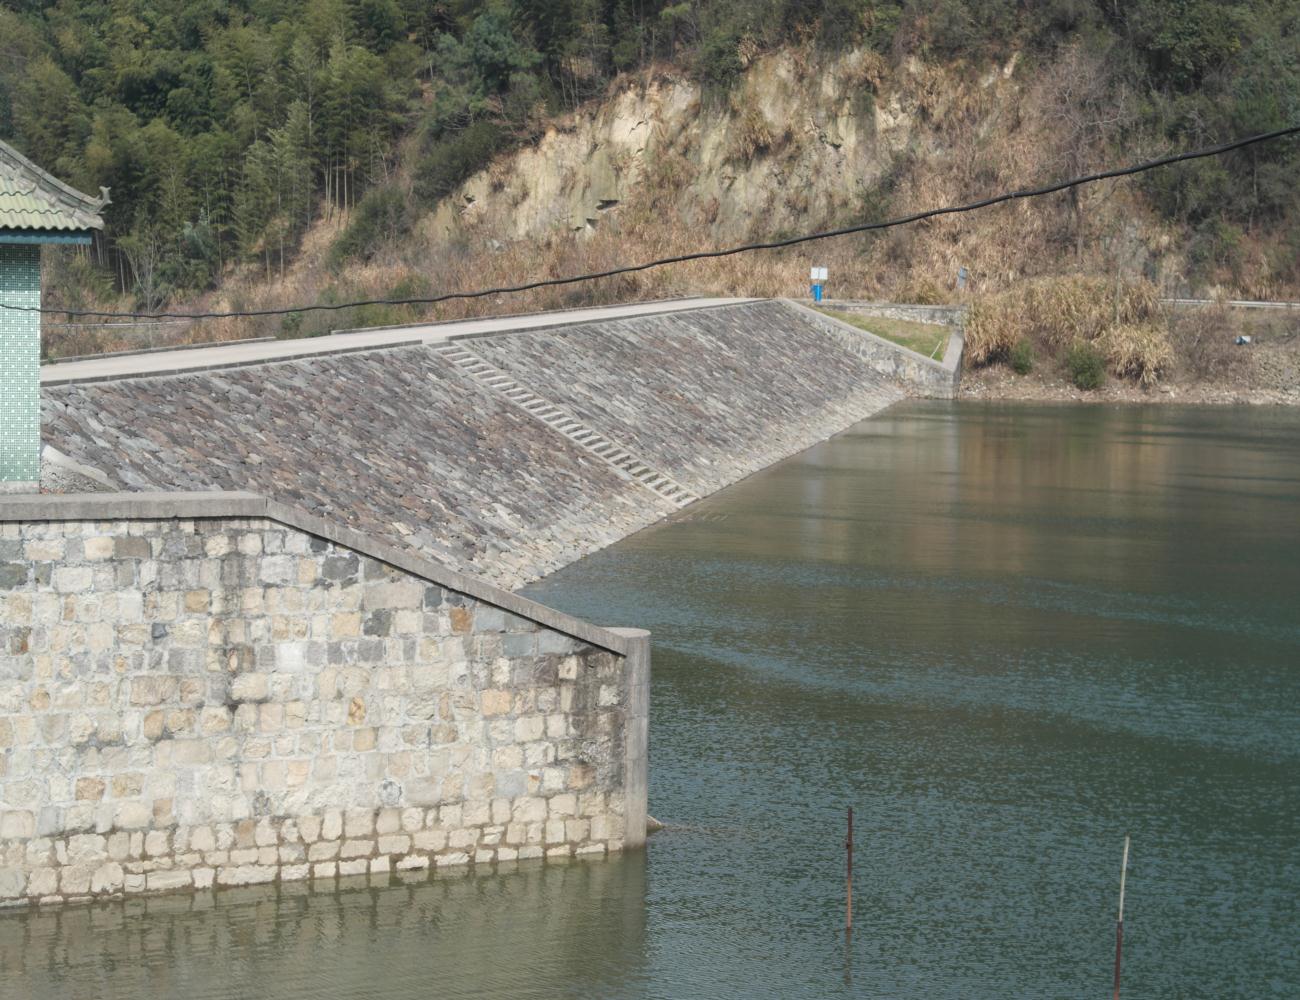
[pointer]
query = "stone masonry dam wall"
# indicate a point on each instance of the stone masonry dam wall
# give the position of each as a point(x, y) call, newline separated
point(486, 454)
point(272, 645)
point(213, 689)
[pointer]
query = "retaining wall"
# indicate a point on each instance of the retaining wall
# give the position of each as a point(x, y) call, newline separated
point(922, 376)
point(214, 689)
point(939, 315)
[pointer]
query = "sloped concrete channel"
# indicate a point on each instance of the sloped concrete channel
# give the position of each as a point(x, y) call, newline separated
point(503, 456)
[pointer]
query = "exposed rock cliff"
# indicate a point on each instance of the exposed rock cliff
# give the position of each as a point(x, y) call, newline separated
point(793, 144)
point(800, 144)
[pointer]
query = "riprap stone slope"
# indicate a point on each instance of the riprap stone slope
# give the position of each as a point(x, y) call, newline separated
point(708, 397)
point(401, 445)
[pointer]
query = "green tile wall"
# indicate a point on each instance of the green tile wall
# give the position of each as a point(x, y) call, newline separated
point(20, 360)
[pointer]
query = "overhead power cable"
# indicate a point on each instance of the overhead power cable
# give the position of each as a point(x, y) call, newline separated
point(864, 227)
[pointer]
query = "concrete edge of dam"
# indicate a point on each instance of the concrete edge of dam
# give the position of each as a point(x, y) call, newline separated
point(928, 377)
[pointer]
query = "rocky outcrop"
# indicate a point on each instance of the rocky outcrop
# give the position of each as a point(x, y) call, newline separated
point(792, 145)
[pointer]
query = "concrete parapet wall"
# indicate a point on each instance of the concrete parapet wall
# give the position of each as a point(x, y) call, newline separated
point(921, 375)
point(206, 690)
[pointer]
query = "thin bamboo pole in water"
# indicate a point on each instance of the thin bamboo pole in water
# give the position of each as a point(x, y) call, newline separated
point(848, 901)
point(1119, 922)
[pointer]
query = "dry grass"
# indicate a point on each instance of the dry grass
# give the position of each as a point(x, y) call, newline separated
point(1137, 350)
point(1125, 323)
point(1055, 312)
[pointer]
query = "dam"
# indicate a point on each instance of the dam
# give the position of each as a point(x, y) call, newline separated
point(263, 628)
point(1006, 633)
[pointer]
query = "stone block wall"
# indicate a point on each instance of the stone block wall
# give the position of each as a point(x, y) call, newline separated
point(212, 690)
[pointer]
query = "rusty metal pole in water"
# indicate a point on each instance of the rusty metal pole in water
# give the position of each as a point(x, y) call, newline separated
point(848, 847)
point(1119, 923)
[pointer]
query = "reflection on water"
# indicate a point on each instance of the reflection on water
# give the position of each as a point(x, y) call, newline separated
point(528, 932)
point(1005, 634)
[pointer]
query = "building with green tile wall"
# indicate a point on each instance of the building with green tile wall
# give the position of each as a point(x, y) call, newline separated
point(35, 208)
point(20, 365)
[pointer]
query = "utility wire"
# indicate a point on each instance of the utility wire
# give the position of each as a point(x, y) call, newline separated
point(1137, 168)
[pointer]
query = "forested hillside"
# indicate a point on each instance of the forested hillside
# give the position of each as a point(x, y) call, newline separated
point(226, 130)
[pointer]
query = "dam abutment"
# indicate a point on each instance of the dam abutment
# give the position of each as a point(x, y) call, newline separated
point(208, 690)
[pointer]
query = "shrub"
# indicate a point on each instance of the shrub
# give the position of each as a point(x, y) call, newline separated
point(1086, 366)
point(951, 28)
point(376, 314)
point(380, 218)
point(667, 172)
point(412, 285)
point(1216, 245)
point(1053, 314)
point(718, 62)
point(1022, 357)
point(456, 158)
point(291, 325)
point(1205, 338)
point(752, 135)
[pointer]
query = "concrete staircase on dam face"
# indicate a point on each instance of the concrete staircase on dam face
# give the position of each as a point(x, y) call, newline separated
point(618, 456)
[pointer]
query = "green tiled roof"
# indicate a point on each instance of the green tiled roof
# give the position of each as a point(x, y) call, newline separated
point(30, 199)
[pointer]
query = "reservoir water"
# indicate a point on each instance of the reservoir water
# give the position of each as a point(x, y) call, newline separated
point(1005, 634)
